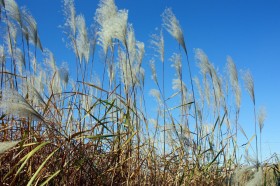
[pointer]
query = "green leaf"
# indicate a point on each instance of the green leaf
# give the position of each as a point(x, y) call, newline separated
point(26, 158)
point(98, 136)
point(51, 177)
point(40, 168)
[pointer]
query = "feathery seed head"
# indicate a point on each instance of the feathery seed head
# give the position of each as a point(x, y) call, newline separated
point(13, 10)
point(131, 42)
point(261, 117)
point(40, 80)
point(158, 44)
point(257, 179)
point(64, 73)
point(14, 103)
point(233, 77)
point(2, 54)
point(111, 72)
point(198, 86)
point(120, 25)
point(31, 29)
point(113, 28)
point(83, 44)
point(105, 11)
point(156, 94)
point(140, 52)
point(13, 32)
point(142, 75)
point(237, 91)
point(4, 146)
point(171, 24)
point(217, 83)
point(34, 63)
point(177, 63)
point(125, 70)
point(153, 69)
point(249, 84)
point(112, 23)
point(231, 68)
point(29, 89)
point(11, 36)
point(70, 14)
point(50, 61)
point(20, 61)
point(179, 85)
point(203, 61)
point(207, 92)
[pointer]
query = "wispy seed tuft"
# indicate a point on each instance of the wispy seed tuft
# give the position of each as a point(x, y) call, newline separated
point(249, 84)
point(172, 25)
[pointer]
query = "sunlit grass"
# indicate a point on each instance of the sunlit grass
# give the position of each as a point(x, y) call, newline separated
point(92, 126)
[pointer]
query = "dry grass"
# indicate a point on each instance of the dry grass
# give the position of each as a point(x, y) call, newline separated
point(96, 130)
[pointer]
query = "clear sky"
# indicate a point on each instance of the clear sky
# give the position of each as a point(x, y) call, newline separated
point(247, 30)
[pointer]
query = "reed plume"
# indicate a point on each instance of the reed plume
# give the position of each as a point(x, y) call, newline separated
point(83, 44)
point(14, 103)
point(172, 25)
point(4, 146)
point(250, 87)
point(233, 75)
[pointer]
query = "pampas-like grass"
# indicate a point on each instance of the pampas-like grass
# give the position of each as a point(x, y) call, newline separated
point(157, 42)
point(249, 84)
point(70, 14)
point(177, 64)
point(172, 25)
point(154, 72)
point(156, 94)
point(199, 89)
point(106, 10)
point(140, 46)
point(83, 44)
point(8, 38)
point(13, 31)
point(50, 61)
point(4, 146)
point(101, 129)
point(203, 62)
point(257, 179)
point(12, 10)
point(31, 29)
point(31, 94)
point(233, 76)
point(261, 117)
point(179, 85)
point(112, 23)
point(131, 44)
point(64, 73)
point(250, 87)
point(207, 68)
point(2, 54)
point(13, 103)
point(20, 61)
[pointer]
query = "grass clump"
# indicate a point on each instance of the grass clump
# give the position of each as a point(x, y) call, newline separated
point(94, 127)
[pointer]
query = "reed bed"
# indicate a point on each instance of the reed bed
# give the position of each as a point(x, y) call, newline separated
point(92, 125)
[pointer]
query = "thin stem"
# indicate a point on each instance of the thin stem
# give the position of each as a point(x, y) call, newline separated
point(257, 152)
point(195, 109)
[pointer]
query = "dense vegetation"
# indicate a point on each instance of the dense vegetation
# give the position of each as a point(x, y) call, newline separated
point(92, 127)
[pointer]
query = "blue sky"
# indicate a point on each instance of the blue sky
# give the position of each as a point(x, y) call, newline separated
point(248, 31)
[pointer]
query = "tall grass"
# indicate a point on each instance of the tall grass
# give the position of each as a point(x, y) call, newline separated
point(86, 127)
